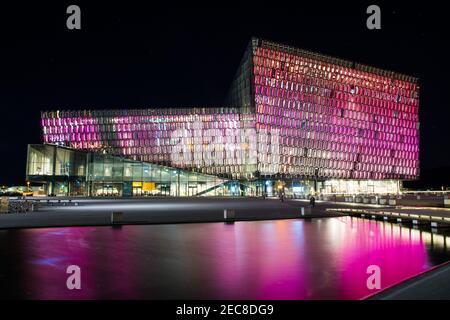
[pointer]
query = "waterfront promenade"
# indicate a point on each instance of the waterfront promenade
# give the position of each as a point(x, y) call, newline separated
point(158, 210)
point(61, 212)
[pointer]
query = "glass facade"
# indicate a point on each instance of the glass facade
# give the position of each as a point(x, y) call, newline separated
point(76, 173)
point(218, 141)
point(294, 115)
point(341, 119)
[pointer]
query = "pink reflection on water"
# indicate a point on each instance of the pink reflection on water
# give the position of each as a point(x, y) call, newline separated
point(284, 259)
point(53, 251)
point(56, 249)
point(398, 251)
point(262, 260)
point(282, 274)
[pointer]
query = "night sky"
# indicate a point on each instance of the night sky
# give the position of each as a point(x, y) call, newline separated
point(130, 56)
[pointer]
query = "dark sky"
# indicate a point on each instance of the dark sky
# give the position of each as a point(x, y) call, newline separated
point(131, 55)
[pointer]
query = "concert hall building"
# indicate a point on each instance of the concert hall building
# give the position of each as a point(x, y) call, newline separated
point(294, 121)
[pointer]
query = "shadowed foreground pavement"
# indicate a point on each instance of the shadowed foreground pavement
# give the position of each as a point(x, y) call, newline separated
point(431, 285)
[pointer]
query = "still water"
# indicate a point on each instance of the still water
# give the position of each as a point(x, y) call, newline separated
point(283, 259)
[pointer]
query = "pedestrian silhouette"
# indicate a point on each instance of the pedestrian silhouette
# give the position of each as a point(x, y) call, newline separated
point(312, 201)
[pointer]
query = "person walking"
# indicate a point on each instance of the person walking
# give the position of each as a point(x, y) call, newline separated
point(312, 201)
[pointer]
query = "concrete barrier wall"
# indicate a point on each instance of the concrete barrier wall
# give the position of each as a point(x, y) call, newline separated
point(423, 202)
point(447, 203)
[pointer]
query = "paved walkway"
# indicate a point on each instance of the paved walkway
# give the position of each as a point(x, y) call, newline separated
point(172, 210)
point(431, 285)
point(181, 210)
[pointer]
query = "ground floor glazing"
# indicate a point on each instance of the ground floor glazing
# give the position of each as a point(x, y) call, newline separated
point(270, 188)
point(68, 172)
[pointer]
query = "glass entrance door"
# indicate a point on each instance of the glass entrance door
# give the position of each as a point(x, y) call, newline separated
point(137, 191)
point(193, 190)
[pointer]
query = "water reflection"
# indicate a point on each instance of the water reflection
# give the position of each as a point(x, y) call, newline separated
point(284, 259)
